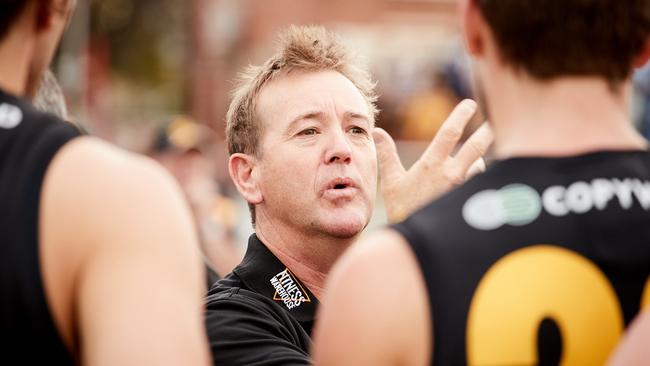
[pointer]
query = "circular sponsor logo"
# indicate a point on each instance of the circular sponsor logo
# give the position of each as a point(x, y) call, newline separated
point(10, 116)
point(483, 210)
point(514, 204)
point(521, 203)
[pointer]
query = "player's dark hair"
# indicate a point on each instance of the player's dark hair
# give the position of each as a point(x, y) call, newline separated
point(551, 38)
point(9, 12)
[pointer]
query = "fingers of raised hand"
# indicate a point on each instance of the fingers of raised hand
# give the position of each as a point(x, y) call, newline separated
point(477, 167)
point(390, 166)
point(450, 132)
point(475, 147)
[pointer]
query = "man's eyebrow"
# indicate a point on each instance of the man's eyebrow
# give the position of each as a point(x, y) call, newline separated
point(318, 115)
point(355, 115)
point(306, 115)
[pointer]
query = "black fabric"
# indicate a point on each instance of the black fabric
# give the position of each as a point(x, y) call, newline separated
point(28, 142)
point(211, 276)
point(613, 233)
point(252, 319)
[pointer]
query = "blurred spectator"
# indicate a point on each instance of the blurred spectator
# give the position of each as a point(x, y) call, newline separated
point(184, 147)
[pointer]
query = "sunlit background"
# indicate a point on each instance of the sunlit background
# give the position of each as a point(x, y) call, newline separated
point(154, 77)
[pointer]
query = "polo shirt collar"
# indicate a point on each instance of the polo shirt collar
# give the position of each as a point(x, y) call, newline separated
point(265, 274)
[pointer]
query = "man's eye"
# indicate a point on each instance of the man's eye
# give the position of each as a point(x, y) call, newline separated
point(357, 130)
point(307, 132)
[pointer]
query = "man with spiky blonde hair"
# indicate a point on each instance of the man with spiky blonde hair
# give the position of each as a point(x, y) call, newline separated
point(303, 153)
point(304, 49)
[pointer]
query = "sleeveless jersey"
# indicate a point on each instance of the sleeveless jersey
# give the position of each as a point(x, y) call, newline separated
point(538, 260)
point(28, 142)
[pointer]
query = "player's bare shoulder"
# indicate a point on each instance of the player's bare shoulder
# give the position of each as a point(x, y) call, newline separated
point(97, 191)
point(355, 299)
point(89, 160)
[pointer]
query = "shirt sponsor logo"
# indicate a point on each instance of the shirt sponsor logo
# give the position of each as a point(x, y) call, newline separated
point(514, 204)
point(519, 204)
point(10, 116)
point(288, 290)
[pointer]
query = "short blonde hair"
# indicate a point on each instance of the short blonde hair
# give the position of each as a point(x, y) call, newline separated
point(305, 48)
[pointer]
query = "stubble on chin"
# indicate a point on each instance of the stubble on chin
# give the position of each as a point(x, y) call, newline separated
point(338, 228)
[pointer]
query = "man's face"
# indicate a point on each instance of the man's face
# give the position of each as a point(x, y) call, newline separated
point(317, 168)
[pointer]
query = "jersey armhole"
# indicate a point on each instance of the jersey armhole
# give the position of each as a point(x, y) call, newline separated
point(417, 245)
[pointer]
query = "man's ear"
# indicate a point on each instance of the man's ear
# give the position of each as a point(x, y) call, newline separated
point(472, 23)
point(44, 14)
point(643, 56)
point(243, 174)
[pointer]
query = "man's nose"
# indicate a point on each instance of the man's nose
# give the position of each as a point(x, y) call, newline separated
point(338, 149)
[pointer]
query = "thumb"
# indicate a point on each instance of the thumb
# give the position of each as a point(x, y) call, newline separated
point(390, 167)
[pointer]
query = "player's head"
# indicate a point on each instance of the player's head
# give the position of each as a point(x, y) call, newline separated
point(298, 127)
point(44, 21)
point(547, 39)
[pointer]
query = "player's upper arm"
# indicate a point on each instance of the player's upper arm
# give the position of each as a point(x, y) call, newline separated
point(139, 287)
point(375, 309)
point(633, 349)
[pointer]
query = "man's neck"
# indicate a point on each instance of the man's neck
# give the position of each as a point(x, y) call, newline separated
point(566, 116)
point(16, 49)
point(310, 257)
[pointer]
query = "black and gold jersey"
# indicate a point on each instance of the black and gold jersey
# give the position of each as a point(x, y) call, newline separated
point(29, 140)
point(537, 260)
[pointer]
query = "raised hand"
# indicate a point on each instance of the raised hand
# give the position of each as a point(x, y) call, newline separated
point(436, 171)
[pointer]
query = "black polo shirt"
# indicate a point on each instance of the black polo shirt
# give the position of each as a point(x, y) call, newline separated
point(260, 314)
